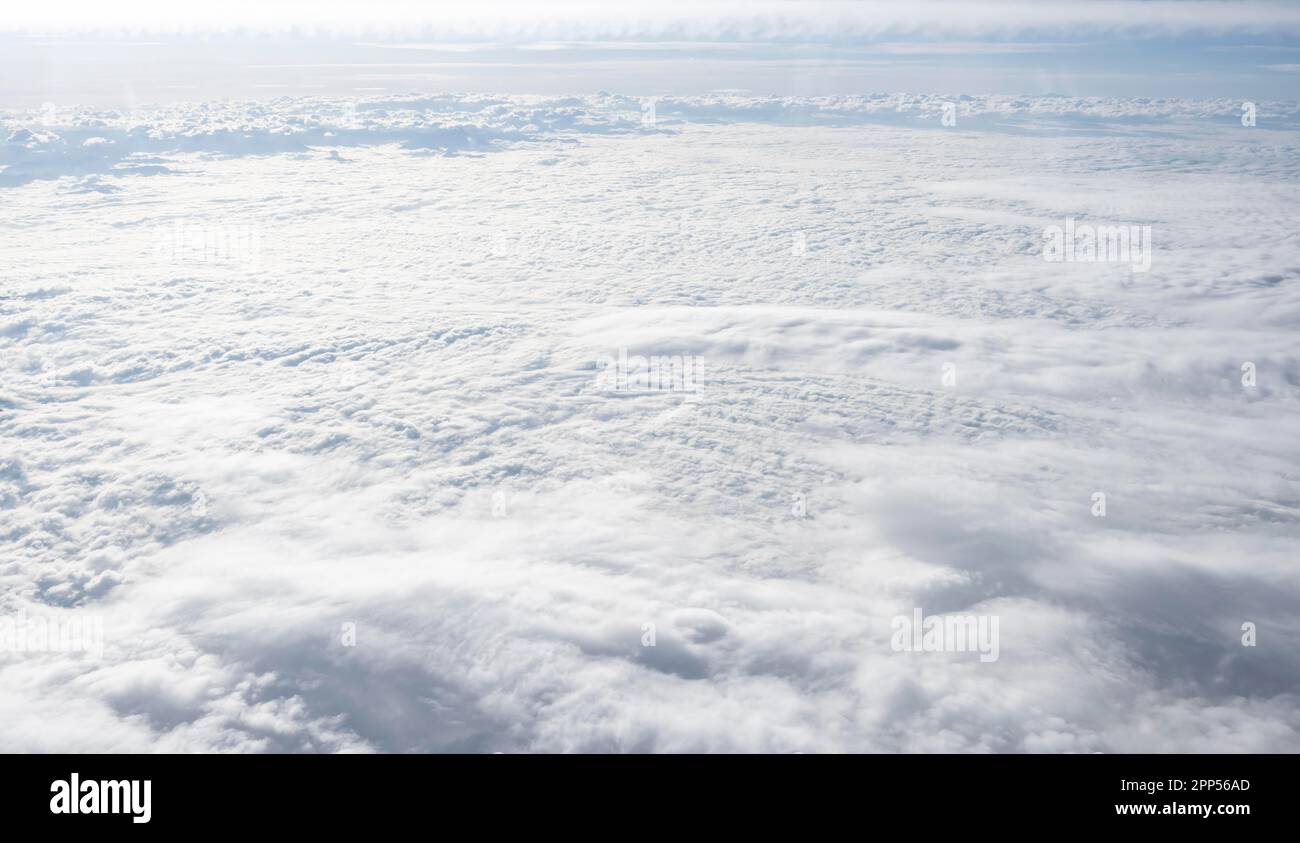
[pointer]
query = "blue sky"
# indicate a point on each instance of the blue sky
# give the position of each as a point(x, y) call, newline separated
point(130, 53)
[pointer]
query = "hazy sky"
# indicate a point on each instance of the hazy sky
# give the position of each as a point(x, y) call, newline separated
point(125, 54)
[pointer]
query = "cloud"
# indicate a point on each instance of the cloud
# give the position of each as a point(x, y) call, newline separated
point(89, 143)
point(393, 423)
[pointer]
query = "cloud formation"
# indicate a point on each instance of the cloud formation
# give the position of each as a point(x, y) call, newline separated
point(368, 492)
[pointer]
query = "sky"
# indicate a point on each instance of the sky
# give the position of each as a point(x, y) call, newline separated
point(136, 53)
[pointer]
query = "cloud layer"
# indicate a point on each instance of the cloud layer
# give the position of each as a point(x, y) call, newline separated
point(368, 491)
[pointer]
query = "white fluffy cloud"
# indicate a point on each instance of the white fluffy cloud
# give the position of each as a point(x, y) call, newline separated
point(392, 419)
